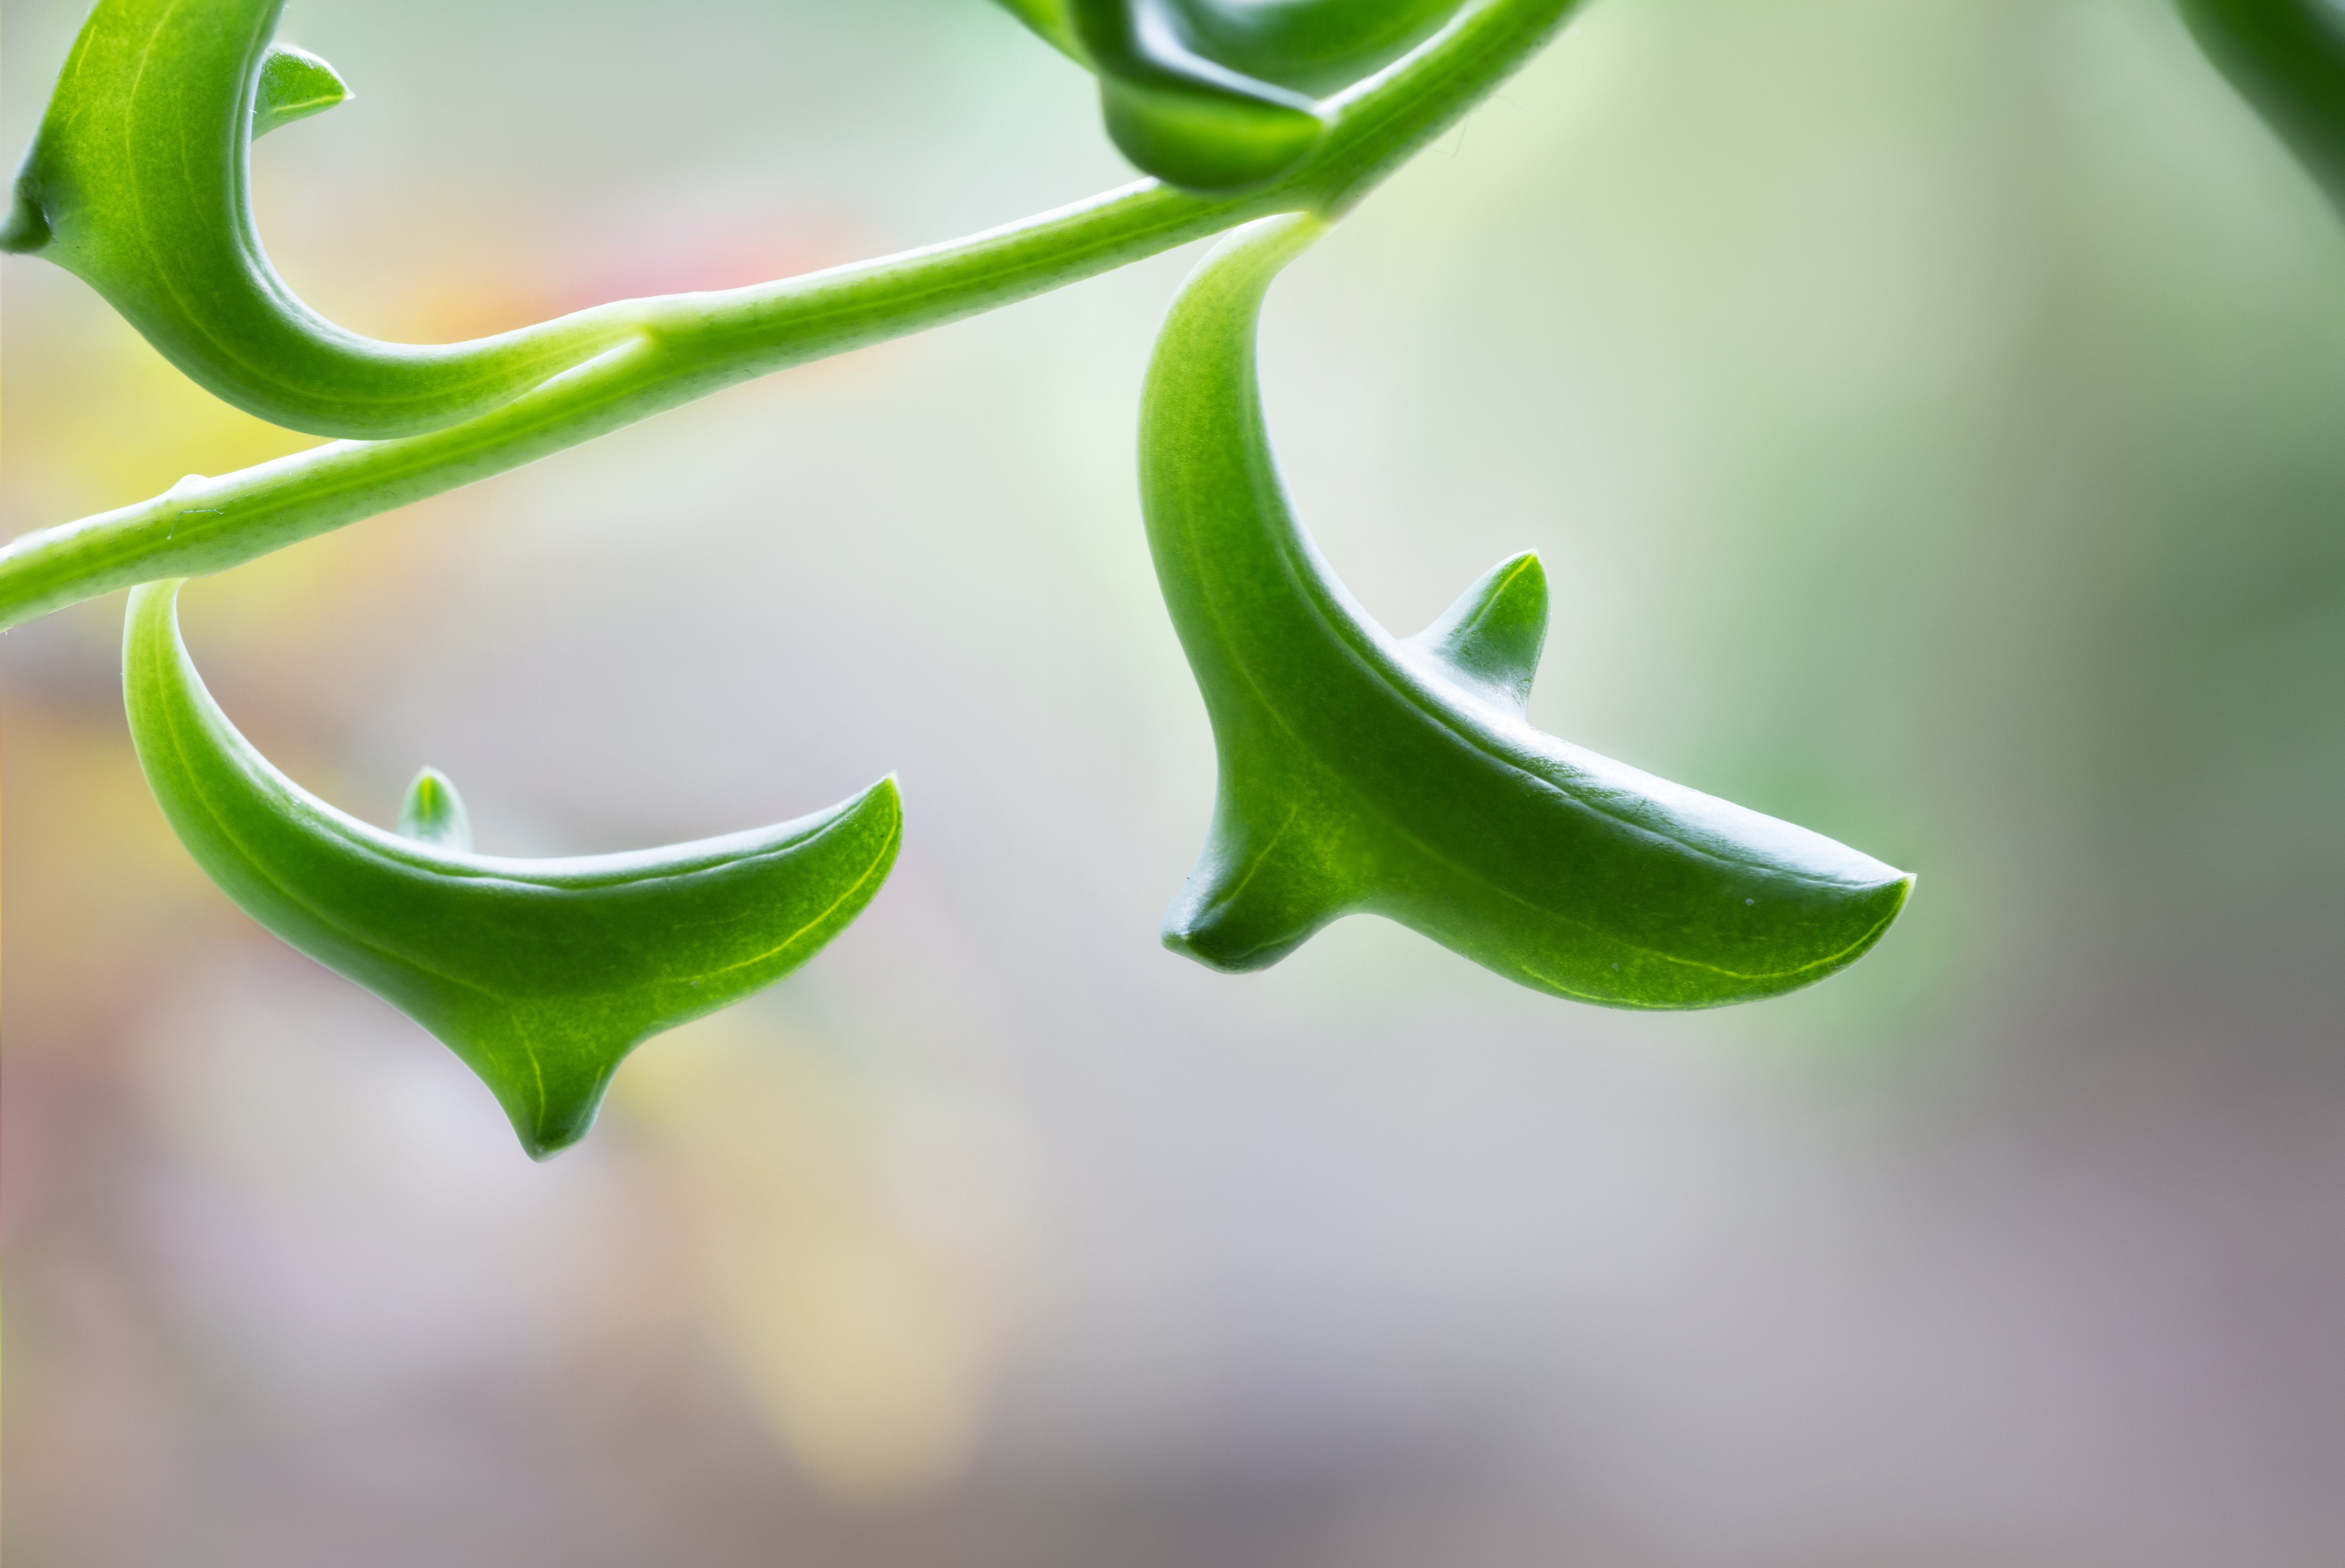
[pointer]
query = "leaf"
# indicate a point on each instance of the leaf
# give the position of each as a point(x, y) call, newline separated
point(137, 183)
point(2287, 58)
point(1362, 773)
point(1181, 117)
point(542, 975)
point(1315, 46)
point(1219, 95)
point(294, 85)
point(433, 812)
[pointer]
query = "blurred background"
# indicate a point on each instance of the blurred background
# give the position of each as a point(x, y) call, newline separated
point(1928, 410)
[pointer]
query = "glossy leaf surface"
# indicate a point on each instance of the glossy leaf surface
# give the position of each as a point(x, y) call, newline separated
point(1364, 773)
point(138, 183)
point(1315, 46)
point(542, 975)
point(1220, 94)
point(294, 85)
point(2287, 58)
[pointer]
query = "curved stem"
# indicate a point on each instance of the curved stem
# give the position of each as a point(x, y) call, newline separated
point(692, 345)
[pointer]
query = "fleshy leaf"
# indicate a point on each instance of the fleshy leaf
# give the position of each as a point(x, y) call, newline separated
point(2286, 57)
point(542, 975)
point(1491, 638)
point(1315, 46)
point(294, 85)
point(138, 183)
point(1219, 95)
point(1181, 117)
point(1360, 773)
point(433, 812)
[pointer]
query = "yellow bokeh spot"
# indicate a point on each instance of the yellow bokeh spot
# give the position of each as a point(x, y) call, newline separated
point(860, 1237)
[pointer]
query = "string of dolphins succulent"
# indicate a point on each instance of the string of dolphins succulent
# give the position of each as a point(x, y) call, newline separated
point(1362, 773)
point(542, 975)
point(1358, 773)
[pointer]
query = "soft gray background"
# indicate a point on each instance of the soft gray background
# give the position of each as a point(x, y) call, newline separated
point(1928, 410)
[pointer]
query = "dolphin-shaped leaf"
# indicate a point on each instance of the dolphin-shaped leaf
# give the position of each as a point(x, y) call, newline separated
point(2287, 58)
point(542, 975)
point(138, 183)
point(1219, 95)
point(1360, 773)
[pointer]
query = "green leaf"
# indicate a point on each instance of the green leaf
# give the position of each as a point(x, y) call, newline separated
point(294, 85)
point(2287, 58)
point(1219, 95)
point(138, 183)
point(433, 812)
point(1181, 117)
point(1316, 47)
point(542, 975)
point(1362, 774)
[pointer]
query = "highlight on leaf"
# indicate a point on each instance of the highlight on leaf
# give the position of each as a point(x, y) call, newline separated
point(542, 975)
point(1220, 94)
point(1360, 773)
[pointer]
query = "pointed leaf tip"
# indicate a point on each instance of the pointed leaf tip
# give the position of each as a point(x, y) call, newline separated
point(294, 85)
point(433, 812)
point(26, 228)
point(1491, 638)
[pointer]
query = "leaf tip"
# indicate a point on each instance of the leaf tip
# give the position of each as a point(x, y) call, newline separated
point(1205, 942)
point(1493, 635)
point(26, 228)
point(294, 85)
point(541, 1147)
point(433, 812)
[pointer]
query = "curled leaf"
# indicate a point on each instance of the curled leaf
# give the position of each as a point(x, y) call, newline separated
point(542, 975)
point(1181, 117)
point(1220, 94)
point(1364, 773)
point(1315, 46)
point(137, 182)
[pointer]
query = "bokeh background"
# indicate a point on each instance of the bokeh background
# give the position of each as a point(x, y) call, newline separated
point(1930, 412)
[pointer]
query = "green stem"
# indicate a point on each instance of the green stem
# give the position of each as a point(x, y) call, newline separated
point(695, 344)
